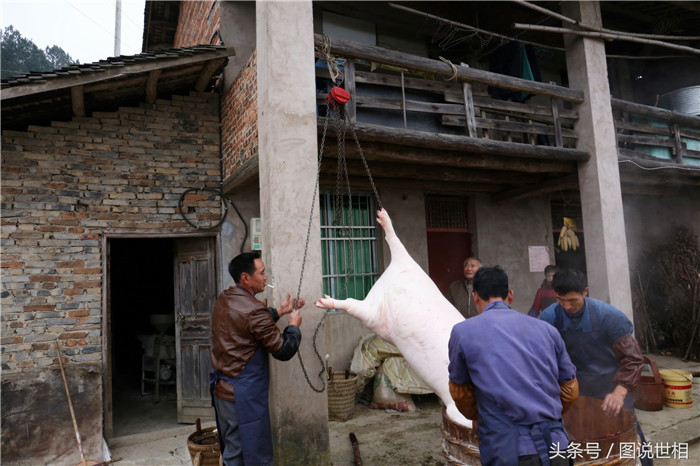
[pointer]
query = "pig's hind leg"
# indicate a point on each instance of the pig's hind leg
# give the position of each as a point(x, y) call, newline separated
point(398, 251)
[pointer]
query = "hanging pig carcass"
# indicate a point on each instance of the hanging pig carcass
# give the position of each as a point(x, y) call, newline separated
point(405, 308)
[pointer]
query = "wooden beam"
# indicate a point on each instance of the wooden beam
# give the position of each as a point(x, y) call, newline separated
point(629, 176)
point(469, 116)
point(350, 107)
point(111, 73)
point(566, 19)
point(152, 86)
point(242, 176)
point(543, 187)
point(643, 190)
point(451, 142)
point(655, 112)
point(362, 183)
point(388, 152)
point(206, 74)
point(606, 36)
point(408, 171)
point(348, 49)
point(77, 98)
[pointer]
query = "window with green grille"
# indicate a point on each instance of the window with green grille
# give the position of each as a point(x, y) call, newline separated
point(348, 245)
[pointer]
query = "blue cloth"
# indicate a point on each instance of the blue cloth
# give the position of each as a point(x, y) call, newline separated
point(590, 343)
point(516, 364)
point(251, 428)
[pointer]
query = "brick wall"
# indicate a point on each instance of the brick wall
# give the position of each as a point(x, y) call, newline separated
point(239, 118)
point(63, 187)
point(197, 24)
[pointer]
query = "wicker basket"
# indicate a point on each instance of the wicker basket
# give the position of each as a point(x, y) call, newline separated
point(341, 396)
point(204, 446)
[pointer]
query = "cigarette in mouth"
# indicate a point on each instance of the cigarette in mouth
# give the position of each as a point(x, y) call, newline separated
point(271, 286)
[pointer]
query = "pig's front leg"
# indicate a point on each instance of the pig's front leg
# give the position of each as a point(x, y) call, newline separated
point(358, 309)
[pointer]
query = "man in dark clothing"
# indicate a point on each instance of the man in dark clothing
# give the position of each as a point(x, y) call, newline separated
point(243, 333)
point(513, 374)
point(459, 294)
point(545, 296)
point(599, 340)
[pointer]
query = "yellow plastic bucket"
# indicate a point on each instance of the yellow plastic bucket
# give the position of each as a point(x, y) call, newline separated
point(678, 388)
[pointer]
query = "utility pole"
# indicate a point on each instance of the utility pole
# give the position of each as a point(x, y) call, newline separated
point(118, 28)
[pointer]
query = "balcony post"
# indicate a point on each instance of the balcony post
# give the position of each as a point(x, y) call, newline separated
point(599, 178)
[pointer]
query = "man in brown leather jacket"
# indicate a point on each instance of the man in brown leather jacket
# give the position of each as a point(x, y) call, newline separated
point(243, 334)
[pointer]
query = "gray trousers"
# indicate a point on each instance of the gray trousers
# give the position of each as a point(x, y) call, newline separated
point(229, 432)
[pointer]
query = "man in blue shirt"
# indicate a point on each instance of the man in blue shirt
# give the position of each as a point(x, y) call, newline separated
point(512, 373)
point(599, 340)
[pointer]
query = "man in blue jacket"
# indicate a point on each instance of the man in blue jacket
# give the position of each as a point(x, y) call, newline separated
point(512, 373)
point(599, 340)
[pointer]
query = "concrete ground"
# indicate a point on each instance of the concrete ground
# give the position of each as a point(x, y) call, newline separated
point(391, 438)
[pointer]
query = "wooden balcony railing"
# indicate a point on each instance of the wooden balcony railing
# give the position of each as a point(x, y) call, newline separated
point(402, 91)
point(656, 136)
point(399, 90)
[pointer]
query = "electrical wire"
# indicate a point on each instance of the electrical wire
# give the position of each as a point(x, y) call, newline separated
point(101, 27)
point(659, 168)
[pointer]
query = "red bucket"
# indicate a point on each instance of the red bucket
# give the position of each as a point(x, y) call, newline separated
point(649, 394)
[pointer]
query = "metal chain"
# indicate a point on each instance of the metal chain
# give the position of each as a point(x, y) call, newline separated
point(364, 162)
point(343, 173)
point(303, 264)
point(339, 215)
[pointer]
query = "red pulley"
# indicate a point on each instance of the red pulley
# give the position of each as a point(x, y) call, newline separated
point(338, 96)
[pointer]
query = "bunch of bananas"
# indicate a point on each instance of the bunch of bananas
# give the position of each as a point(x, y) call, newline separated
point(568, 239)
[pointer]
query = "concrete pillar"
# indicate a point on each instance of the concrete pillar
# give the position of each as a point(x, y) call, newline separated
point(599, 178)
point(288, 167)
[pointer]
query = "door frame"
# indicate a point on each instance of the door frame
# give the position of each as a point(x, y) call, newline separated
point(107, 407)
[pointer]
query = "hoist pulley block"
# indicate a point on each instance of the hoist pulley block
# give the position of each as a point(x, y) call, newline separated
point(338, 97)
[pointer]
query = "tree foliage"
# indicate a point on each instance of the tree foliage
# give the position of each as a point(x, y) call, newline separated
point(20, 55)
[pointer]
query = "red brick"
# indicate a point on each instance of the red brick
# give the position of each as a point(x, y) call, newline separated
point(64, 264)
point(11, 340)
point(39, 307)
point(84, 270)
point(13, 264)
point(69, 335)
point(44, 278)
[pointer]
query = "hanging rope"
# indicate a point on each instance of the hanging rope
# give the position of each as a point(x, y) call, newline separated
point(337, 98)
point(454, 68)
point(332, 62)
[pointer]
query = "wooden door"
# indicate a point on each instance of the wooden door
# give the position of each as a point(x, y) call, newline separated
point(195, 293)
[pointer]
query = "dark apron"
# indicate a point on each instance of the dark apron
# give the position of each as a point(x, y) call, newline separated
point(586, 347)
point(251, 389)
point(592, 348)
point(498, 436)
